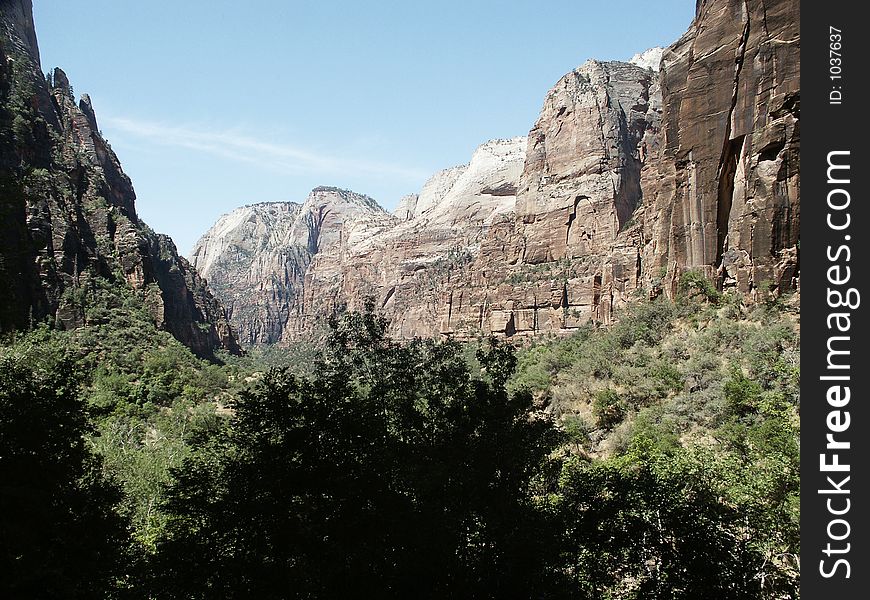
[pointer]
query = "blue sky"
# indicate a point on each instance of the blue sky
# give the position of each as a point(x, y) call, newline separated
point(212, 104)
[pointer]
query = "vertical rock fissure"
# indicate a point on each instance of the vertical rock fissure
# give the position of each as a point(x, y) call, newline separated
point(449, 310)
point(564, 305)
point(638, 274)
point(631, 131)
point(510, 327)
point(389, 295)
point(731, 149)
point(724, 202)
point(572, 216)
point(535, 315)
point(596, 290)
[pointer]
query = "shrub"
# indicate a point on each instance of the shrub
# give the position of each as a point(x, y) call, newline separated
point(742, 394)
point(608, 408)
point(646, 322)
point(695, 283)
point(577, 429)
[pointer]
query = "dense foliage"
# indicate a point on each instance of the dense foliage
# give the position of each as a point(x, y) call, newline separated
point(61, 536)
point(657, 458)
point(391, 472)
point(683, 420)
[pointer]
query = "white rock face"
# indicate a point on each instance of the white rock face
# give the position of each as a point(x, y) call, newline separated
point(279, 266)
point(456, 205)
point(649, 59)
point(256, 257)
point(242, 230)
point(406, 208)
point(437, 187)
point(477, 192)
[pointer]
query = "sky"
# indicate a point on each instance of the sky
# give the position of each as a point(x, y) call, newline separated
point(214, 104)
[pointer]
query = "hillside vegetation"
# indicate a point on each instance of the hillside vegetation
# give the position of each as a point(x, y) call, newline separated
point(657, 458)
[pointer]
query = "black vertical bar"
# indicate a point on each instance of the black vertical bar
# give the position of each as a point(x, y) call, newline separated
point(835, 235)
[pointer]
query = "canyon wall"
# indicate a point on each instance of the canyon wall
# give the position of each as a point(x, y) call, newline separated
point(633, 174)
point(68, 210)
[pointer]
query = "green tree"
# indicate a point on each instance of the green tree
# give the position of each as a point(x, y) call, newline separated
point(392, 472)
point(650, 525)
point(60, 536)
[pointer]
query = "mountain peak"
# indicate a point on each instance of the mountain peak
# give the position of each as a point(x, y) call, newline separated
point(648, 59)
point(337, 196)
point(542, 235)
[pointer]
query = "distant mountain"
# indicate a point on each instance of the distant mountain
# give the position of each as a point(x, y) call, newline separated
point(68, 210)
point(648, 59)
point(279, 267)
point(256, 258)
point(634, 174)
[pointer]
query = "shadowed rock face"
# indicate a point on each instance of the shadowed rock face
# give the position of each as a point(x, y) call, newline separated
point(630, 177)
point(69, 211)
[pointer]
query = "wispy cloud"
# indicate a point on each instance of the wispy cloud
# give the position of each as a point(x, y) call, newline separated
point(232, 145)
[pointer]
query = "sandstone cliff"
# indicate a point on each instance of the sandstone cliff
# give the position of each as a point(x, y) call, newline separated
point(632, 175)
point(256, 258)
point(413, 268)
point(723, 191)
point(68, 209)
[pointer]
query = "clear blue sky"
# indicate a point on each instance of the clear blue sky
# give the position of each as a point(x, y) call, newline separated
point(212, 104)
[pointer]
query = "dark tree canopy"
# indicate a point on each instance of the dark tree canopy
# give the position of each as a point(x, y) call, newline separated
point(394, 472)
point(392, 469)
point(60, 536)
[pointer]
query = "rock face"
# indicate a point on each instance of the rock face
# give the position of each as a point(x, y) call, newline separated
point(406, 208)
point(581, 181)
point(649, 59)
point(722, 194)
point(413, 268)
point(256, 258)
point(633, 174)
point(68, 209)
point(280, 267)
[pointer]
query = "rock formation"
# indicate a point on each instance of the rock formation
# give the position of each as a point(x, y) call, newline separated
point(649, 59)
point(279, 267)
point(68, 209)
point(685, 158)
point(413, 267)
point(257, 257)
point(581, 182)
point(633, 174)
point(723, 192)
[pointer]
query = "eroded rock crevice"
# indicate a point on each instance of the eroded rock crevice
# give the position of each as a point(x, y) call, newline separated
point(725, 196)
